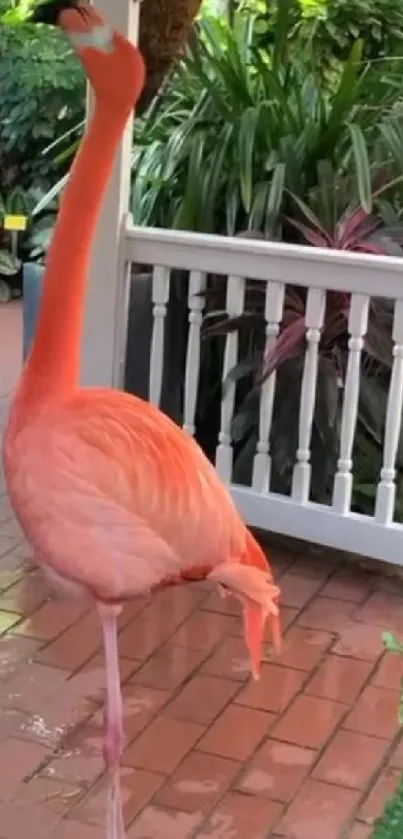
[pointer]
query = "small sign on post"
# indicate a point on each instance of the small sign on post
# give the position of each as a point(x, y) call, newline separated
point(15, 224)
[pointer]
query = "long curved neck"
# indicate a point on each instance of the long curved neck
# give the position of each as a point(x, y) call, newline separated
point(115, 70)
point(53, 364)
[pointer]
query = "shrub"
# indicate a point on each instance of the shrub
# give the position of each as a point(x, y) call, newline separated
point(41, 95)
point(237, 127)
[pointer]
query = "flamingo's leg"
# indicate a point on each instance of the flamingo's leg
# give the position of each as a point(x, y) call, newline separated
point(113, 742)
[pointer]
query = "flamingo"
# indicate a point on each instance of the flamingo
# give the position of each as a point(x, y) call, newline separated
point(114, 498)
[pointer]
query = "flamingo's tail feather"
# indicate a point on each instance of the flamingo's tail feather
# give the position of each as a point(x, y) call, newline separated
point(259, 596)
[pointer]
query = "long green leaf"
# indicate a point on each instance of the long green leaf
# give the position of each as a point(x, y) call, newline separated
point(362, 167)
point(246, 145)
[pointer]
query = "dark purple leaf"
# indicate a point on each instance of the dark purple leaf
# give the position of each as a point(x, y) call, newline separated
point(248, 320)
point(327, 397)
point(348, 226)
point(315, 238)
point(287, 346)
point(378, 340)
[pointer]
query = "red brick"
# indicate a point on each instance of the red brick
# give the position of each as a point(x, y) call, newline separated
point(351, 760)
point(302, 648)
point(169, 667)
point(241, 817)
point(340, 679)
point(237, 732)
point(140, 705)
point(159, 823)
point(35, 821)
point(326, 614)
point(138, 787)
point(31, 686)
point(277, 770)
point(202, 699)
point(55, 796)
point(26, 596)
point(162, 745)
point(11, 722)
point(53, 618)
point(75, 646)
point(359, 640)
point(18, 761)
point(376, 713)
point(142, 637)
point(173, 605)
point(381, 792)
point(384, 610)
point(275, 689)
point(14, 652)
point(397, 757)
point(222, 605)
point(90, 681)
point(318, 810)
point(230, 660)
point(390, 672)
point(203, 630)
point(348, 584)
point(297, 591)
point(360, 831)
point(309, 721)
point(80, 760)
point(198, 783)
point(313, 567)
point(69, 829)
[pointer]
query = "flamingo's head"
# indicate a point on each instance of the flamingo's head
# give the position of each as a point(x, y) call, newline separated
point(48, 11)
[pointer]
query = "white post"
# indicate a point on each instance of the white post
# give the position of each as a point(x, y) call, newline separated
point(105, 314)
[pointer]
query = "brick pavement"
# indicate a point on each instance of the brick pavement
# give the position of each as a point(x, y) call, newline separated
point(313, 750)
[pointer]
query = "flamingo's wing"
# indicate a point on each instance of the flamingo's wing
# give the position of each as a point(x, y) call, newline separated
point(89, 539)
point(115, 497)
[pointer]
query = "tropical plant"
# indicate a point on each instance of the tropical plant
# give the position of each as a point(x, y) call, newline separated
point(356, 230)
point(332, 26)
point(42, 94)
point(236, 127)
point(329, 28)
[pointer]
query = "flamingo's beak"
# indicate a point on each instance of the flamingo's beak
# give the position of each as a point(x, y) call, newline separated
point(48, 11)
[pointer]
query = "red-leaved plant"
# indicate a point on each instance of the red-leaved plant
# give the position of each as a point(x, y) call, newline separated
point(355, 231)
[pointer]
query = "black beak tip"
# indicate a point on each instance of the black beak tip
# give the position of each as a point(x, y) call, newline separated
point(49, 10)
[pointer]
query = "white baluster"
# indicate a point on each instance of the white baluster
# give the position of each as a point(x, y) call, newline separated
point(234, 306)
point(385, 496)
point(262, 461)
point(357, 327)
point(160, 297)
point(315, 311)
point(197, 287)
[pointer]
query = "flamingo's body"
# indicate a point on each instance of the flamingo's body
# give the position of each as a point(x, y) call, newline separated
point(114, 498)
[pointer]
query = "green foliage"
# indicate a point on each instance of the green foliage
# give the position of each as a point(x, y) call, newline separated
point(332, 26)
point(390, 825)
point(41, 95)
point(236, 128)
point(329, 28)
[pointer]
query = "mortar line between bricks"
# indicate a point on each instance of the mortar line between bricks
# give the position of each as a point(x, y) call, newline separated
point(320, 752)
point(304, 683)
point(242, 769)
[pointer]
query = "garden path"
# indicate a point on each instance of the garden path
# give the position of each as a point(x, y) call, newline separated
point(312, 750)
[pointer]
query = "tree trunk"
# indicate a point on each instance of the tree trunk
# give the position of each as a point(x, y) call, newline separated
point(164, 30)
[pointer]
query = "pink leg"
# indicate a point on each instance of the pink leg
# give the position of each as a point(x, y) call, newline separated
point(113, 742)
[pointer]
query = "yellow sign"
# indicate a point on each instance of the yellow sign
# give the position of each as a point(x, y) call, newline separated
point(15, 223)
